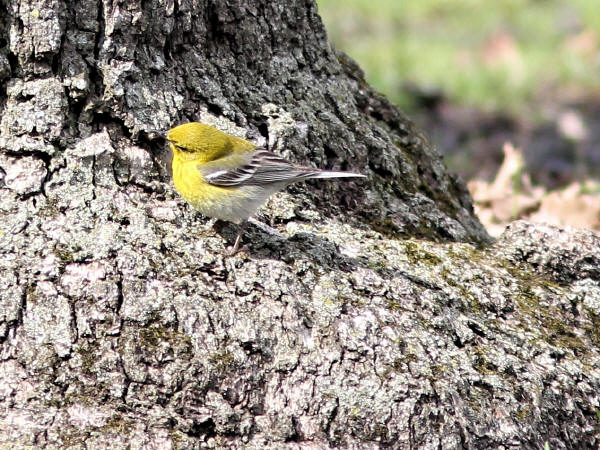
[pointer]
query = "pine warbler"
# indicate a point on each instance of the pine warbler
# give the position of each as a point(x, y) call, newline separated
point(227, 177)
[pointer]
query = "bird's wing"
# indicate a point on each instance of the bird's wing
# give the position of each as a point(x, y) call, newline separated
point(259, 168)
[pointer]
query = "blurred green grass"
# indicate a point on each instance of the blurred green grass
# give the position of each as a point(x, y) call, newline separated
point(497, 55)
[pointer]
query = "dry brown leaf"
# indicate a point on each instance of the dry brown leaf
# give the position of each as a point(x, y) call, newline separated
point(584, 43)
point(571, 125)
point(501, 49)
point(569, 207)
point(511, 196)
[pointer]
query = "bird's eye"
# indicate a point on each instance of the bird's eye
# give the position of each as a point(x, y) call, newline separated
point(183, 149)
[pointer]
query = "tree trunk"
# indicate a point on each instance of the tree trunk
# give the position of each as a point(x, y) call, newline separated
point(123, 325)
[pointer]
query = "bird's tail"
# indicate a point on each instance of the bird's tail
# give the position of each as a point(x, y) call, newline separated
point(333, 174)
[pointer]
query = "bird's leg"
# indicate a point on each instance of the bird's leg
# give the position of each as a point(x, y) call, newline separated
point(235, 249)
point(238, 240)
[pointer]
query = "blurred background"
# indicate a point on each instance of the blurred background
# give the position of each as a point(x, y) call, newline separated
point(507, 90)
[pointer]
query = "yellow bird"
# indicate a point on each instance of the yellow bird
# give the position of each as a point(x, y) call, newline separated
point(227, 177)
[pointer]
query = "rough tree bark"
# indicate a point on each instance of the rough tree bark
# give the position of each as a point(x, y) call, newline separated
point(123, 326)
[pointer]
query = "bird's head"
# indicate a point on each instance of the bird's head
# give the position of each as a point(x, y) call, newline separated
point(195, 140)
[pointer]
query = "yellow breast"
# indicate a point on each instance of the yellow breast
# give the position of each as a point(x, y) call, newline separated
point(213, 201)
